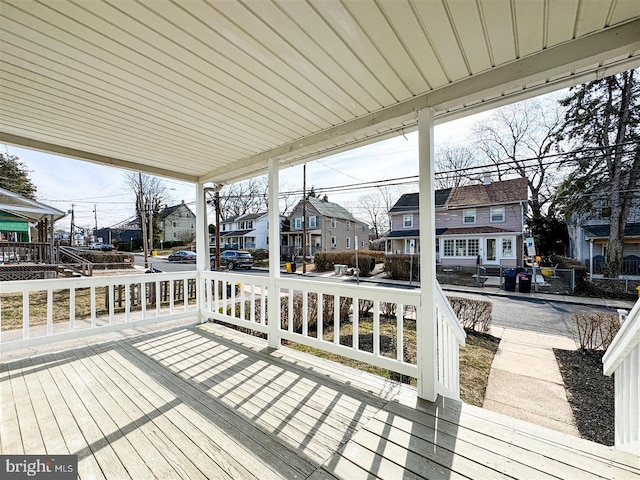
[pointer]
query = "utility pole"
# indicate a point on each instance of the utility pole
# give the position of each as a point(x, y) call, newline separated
point(72, 235)
point(150, 231)
point(95, 230)
point(143, 222)
point(304, 218)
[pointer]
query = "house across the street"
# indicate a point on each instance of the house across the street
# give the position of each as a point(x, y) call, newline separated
point(484, 222)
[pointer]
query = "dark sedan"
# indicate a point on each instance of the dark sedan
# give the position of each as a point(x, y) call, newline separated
point(182, 256)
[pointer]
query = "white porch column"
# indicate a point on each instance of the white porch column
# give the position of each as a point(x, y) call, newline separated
point(202, 247)
point(427, 354)
point(273, 310)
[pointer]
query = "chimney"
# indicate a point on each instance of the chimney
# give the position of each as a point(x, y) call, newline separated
point(486, 178)
point(325, 198)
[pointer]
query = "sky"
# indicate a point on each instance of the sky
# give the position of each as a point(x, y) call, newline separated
point(96, 191)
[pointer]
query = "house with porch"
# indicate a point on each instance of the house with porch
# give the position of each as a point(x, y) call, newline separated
point(250, 230)
point(330, 226)
point(240, 89)
point(484, 222)
point(589, 238)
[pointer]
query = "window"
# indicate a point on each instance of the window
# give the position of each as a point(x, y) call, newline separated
point(461, 247)
point(448, 248)
point(364, 228)
point(333, 242)
point(507, 247)
point(175, 235)
point(174, 224)
point(469, 216)
point(348, 242)
point(312, 222)
point(297, 223)
point(473, 245)
point(407, 221)
point(497, 214)
point(348, 226)
point(362, 244)
point(333, 223)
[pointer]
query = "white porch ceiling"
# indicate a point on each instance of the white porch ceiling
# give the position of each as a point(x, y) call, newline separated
point(210, 90)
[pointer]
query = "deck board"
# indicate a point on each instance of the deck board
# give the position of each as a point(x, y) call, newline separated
point(209, 402)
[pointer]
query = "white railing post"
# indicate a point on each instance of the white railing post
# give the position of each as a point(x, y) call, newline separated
point(202, 250)
point(274, 255)
point(426, 322)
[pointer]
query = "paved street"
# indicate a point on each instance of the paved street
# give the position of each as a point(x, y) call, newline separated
point(539, 316)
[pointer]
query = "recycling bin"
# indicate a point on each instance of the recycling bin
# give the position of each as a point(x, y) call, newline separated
point(524, 283)
point(510, 280)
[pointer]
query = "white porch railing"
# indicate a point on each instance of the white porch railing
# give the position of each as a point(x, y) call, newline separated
point(381, 319)
point(34, 312)
point(384, 322)
point(623, 359)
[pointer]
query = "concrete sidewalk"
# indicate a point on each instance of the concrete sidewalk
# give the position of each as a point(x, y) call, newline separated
point(525, 380)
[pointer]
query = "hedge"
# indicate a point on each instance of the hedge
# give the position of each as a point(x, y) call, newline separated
point(367, 259)
point(397, 266)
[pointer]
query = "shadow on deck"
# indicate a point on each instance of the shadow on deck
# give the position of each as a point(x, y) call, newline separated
point(209, 402)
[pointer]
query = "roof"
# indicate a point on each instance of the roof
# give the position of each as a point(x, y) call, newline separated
point(506, 191)
point(232, 85)
point(25, 208)
point(235, 233)
point(411, 233)
point(330, 209)
point(602, 231)
point(410, 201)
point(474, 230)
point(165, 212)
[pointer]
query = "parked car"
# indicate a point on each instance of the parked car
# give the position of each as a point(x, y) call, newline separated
point(234, 259)
point(105, 247)
point(182, 256)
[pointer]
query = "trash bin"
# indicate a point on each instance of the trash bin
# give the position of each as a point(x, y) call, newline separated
point(290, 267)
point(510, 280)
point(524, 283)
point(154, 253)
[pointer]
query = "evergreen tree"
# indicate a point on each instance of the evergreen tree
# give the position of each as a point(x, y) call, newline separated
point(14, 176)
point(602, 127)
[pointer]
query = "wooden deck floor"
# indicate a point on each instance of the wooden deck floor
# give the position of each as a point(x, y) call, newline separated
point(208, 402)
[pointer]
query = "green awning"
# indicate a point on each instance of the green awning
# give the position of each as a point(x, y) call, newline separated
point(13, 226)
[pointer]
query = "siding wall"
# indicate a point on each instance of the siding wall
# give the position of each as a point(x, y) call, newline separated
point(324, 231)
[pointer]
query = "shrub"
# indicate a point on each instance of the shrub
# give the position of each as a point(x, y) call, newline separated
point(397, 266)
point(595, 330)
point(259, 254)
point(312, 310)
point(581, 274)
point(324, 261)
point(472, 314)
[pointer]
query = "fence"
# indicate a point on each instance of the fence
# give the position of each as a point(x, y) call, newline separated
point(37, 312)
point(374, 325)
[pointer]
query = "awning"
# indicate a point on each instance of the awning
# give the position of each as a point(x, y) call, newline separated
point(14, 226)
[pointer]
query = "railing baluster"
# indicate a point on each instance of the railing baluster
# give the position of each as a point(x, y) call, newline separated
point(319, 327)
point(72, 309)
point(376, 328)
point(290, 311)
point(355, 335)
point(143, 299)
point(112, 301)
point(242, 306)
point(92, 292)
point(49, 311)
point(252, 313)
point(263, 306)
point(305, 313)
point(127, 302)
point(25, 315)
point(336, 319)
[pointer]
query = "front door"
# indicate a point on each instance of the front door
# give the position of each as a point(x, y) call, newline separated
point(490, 252)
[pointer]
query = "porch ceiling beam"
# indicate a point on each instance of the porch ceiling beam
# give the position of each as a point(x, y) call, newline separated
point(567, 57)
point(53, 148)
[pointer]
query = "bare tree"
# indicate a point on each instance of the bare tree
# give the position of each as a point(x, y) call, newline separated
point(516, 139)
point(154, 195)
point(248, 196)
point(373, 207)
point(450, 164)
